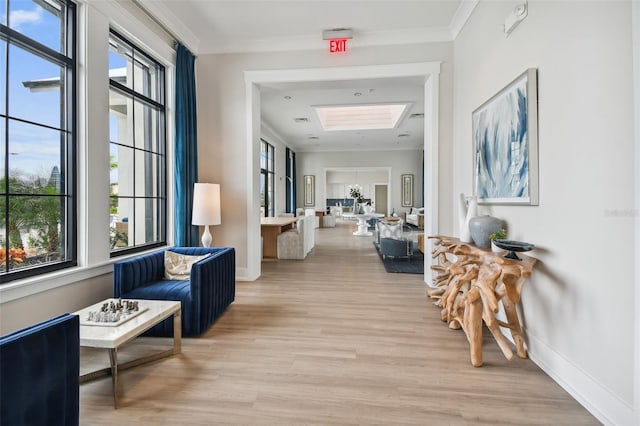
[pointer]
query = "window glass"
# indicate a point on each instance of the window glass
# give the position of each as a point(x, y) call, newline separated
point(137, 147)
point(36, 84)
point(34, 154)
point(40, 20)
point(37, 138)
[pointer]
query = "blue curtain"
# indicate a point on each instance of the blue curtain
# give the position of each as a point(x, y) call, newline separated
point(291, 181)
point(294, 196)
point(186, 144)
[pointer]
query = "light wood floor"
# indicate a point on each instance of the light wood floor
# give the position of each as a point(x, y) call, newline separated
point(333, 339)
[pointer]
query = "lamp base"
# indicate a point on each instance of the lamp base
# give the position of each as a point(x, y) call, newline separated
point(207, 239)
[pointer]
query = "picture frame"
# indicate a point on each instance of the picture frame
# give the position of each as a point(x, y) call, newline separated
point(407, 190)
point(309, 190)
point(505, 143)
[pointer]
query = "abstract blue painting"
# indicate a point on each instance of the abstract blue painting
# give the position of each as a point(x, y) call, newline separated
point(505, 130)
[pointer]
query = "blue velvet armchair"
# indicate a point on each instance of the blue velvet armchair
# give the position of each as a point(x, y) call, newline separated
point(204, 297)
point(39, 374)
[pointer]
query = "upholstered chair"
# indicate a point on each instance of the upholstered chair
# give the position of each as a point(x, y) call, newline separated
point(391, 241)
point(312, 212)
point(329, 221)
point(208, 291)
point(291, 243)
point(39, 374)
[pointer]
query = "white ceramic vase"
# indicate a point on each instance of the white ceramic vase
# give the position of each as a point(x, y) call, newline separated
point(468, 209)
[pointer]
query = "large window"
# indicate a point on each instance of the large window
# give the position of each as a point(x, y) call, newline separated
point(37, 137)
point(267, 177)
point(137, 148)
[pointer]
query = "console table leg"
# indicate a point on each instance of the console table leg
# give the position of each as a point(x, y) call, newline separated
point(177, 332)
point(514, 326)
point(473, 327)
point(113, 360)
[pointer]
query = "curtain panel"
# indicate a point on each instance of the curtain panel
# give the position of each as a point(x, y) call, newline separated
point(186, 148)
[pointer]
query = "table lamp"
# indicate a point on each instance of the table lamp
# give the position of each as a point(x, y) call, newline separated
point(206, 208)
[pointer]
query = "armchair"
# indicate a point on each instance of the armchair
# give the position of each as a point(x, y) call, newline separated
point(39, 374)
point(329, 221)
point(204, 297)
point(390, 240)
point(296, 243)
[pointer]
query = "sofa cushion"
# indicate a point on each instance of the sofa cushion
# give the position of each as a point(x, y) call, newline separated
point(178, 266)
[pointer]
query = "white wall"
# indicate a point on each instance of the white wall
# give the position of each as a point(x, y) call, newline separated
point(399, 161)
point(578, 307)
point(222, 120)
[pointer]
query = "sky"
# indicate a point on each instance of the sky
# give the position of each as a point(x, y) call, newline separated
point(33, 149)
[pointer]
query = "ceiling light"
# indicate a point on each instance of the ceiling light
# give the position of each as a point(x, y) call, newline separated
point(360, 117)
point(301, 120)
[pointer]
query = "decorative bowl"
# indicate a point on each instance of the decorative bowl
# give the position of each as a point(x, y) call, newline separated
point(513, 247)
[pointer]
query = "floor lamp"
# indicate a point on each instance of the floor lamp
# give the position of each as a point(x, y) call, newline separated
point(206, 208)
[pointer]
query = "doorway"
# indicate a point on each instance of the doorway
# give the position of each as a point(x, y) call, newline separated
point(428, 71)
point(380, 199)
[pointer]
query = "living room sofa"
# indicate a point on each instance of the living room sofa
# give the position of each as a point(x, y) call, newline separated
point(209, 290)
point(415, 217)
point(39, 374)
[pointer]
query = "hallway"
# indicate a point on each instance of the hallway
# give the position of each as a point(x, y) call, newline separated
point(333, 339)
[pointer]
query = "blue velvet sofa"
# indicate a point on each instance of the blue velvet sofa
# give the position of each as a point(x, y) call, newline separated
point(204, 297)
point(39, 374)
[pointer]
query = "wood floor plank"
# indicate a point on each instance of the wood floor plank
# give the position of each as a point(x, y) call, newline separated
point(331, 340)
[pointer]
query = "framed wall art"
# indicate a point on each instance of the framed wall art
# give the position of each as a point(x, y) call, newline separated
point(309, 190)
point(505, 142)
point(407, 190)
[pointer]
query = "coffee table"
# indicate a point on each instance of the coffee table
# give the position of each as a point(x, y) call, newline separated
point(103, 335)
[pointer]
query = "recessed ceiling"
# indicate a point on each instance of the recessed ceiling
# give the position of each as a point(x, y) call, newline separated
point(360, 117)
point(281, 104)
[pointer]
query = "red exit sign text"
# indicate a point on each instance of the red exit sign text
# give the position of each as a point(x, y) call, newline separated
point(338, 45)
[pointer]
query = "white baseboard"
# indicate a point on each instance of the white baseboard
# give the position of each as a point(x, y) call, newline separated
point(596, 398)
point(242, 274)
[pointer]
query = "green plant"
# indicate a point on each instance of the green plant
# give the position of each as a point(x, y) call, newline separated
point(355, 193)
point(500, 235)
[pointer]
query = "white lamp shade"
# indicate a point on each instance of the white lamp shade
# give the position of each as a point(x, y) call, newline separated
point(206, 204)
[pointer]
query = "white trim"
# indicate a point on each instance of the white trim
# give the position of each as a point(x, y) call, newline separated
point(428, 70)
point(461, 17)
point(166, 17)
point(635, 16)
point(122, 20)
point(40, 283)
point(600, 401)
point(431, 170)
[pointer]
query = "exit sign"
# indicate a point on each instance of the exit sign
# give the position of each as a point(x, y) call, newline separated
point(337, 45)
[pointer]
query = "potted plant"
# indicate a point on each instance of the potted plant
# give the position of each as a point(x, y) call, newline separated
point(358, 199)
point(500, 235)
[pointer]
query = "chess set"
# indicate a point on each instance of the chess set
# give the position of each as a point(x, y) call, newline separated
point(113, 313)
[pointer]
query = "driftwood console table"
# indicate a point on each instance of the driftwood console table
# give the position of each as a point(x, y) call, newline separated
point(469, 289)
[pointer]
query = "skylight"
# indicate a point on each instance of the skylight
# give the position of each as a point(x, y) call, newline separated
point(360, 117)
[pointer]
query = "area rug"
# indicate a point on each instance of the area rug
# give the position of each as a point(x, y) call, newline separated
point(415, 264)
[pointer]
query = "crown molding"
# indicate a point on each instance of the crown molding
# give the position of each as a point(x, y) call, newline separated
point(307, 42)
point(461, 17)
point(163, 15)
